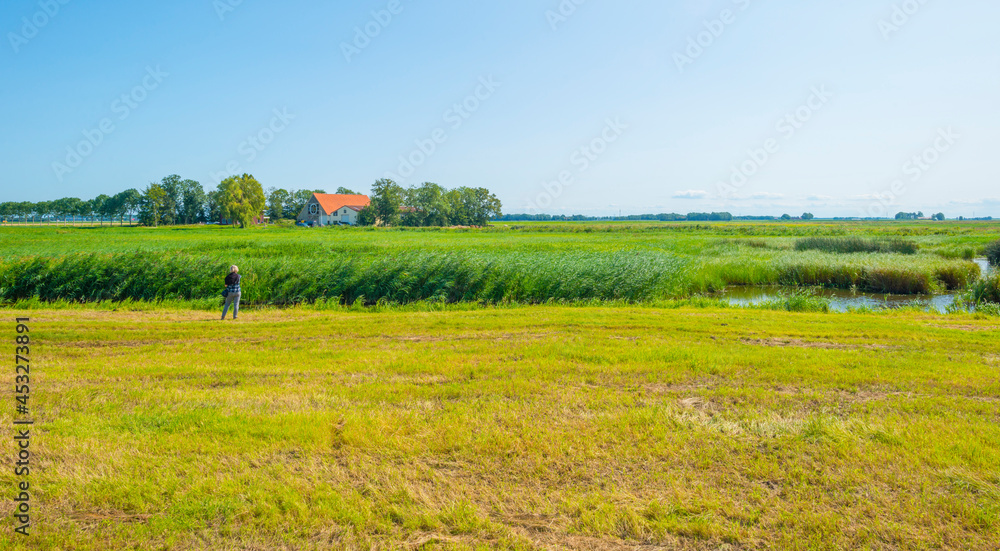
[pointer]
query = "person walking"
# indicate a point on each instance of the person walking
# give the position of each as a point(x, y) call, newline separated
point(232, 292)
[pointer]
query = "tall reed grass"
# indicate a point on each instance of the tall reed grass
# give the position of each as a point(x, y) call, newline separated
point(848, 245)
point(985, 290)
point(561, 262)
point(398, 278)
point(877, 273)
point(992, 253)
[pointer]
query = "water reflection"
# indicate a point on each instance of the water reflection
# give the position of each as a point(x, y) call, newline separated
point(984, 265)
point(840, 300)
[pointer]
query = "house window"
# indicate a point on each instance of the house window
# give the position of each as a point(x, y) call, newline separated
point(313, 208)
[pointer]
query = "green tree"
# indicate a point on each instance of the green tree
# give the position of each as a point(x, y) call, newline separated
point(192, 206)
point(27, 208)
point(276, 201)
point(808, 216)
point(152, 206)
point(939, 216)
point(43, 209)
point(76, 208)
point(345, 191)
point(213, 206)
point(241, 199)
point(128, 203)
point(784, 216)
point(387, 197)
point(172, 201)
point(458, 208)
point(109, 209)
point(367, 217)
point(430, 206)
point(57, 209)
point(65, 207)
point(484, 206)
point(472, 206)
point(98, 206)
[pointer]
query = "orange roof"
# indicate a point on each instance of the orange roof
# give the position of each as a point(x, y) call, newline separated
point(331, 203)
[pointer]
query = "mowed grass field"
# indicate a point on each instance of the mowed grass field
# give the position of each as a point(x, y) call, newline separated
point(543, 427)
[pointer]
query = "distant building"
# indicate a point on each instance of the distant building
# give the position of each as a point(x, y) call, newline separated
point(324, 209)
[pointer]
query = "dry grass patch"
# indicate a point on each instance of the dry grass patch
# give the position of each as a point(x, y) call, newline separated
point(522, 429)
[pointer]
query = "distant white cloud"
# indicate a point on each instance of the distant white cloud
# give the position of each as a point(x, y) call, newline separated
point(819, 198)
point(691, 194)
point(983, 201)
point(759, 196)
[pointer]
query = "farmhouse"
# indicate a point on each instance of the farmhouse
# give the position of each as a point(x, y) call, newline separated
point(325, 209)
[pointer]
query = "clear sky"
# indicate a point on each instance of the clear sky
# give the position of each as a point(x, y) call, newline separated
point(574, 106)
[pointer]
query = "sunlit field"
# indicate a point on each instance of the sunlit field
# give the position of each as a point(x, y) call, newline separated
point(523, 387)
point(547, 427)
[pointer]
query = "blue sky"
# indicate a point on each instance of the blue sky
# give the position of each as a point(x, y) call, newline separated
point(575, 106)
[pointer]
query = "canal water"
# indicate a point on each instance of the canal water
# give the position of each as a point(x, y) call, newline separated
point(842, 300)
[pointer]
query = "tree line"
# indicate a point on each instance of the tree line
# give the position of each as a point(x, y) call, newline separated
point(917, 216)
point(240, 200)
point(429, 205)
point(171, 201)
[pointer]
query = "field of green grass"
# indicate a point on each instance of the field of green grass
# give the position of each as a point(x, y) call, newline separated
point(542, 427)
point(521, 387)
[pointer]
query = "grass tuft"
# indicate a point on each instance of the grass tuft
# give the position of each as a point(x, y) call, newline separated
point(992, 253)
point(848, 245)
point(985, 290)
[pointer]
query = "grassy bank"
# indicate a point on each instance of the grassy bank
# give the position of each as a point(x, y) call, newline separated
point(525, 428)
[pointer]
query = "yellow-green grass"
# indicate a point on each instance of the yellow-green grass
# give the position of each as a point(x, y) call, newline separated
point(517, 428)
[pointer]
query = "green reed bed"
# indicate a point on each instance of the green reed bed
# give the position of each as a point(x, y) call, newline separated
point(878, 273)
point(565, 262)
point(985, 290)
point(850, 245)
point(398, 278)
point(992, 252)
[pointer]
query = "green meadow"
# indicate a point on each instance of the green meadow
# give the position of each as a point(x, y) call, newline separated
point(523, 428)
point(518, 387)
